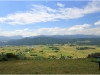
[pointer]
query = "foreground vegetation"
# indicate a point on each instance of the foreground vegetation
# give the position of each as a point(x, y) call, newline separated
point(50, 66)
point(49, 59)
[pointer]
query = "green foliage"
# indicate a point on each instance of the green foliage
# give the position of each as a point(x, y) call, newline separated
point(93, 55)
point(33, 55)
point(84, 48)
point(9, 56)
point(55, 48)
point(56, 51)
point(22, 57)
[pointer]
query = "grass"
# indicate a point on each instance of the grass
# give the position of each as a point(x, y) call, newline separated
point(65, 50)
point(69, 66)
point(82, 65)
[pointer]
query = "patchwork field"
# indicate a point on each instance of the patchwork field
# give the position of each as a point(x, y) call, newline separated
point(50, 51)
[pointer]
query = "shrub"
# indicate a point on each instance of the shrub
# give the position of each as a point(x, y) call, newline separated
point(93, 55)
point(4, 58)
point(56, 51)
point(9, 56)
point(84, 48)
point(33, 55)
point(55, 48)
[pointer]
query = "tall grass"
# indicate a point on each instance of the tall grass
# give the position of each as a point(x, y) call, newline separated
point(50, 66)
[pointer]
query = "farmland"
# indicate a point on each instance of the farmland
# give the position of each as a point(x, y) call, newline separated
point(50, 51)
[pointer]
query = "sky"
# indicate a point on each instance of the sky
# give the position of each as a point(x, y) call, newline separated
point(49, 17)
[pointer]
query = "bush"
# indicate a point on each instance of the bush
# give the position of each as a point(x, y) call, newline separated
point(84, 48)
point(4, 58)
point(9, 56)
point(93, 55)
point(33, 55)
point(55, 48)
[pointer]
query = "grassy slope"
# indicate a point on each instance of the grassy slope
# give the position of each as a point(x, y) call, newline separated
point(69, 66)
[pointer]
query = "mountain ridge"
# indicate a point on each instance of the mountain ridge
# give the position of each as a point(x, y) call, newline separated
point(50, 39)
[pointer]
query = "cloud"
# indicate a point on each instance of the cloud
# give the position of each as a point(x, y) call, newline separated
point(52, 31)
point(0, 29)
point(97, 23)
point(60, 5)
point(92, 7)
point(24, 32)
point(40, 13)
point(2, 20)
point(77, 29)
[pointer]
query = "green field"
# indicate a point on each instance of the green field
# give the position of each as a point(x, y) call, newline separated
point(46, 51)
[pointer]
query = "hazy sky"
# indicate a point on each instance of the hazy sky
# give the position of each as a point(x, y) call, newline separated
point(63, 17)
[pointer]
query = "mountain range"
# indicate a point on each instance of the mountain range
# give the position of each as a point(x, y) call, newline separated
point(46, 39)
point(7, 38)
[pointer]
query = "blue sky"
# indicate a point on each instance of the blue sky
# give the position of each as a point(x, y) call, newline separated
point(31, 18)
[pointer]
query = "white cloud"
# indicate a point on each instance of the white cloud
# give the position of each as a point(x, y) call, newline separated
point(24, 32)
point(2, 20)
point(60, 5)
point(97, 23)
point(77, 29)
point(0, 29)
point(40, 13)
point(92, 7)
point(52, 31)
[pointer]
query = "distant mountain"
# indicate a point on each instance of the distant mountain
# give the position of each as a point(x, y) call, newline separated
point(16, 37)
point(68, 36)
point(75, 36)
point(6, 38)
point(51, 39)
point(56, 39)
point(2, 43)
point(35, 40)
